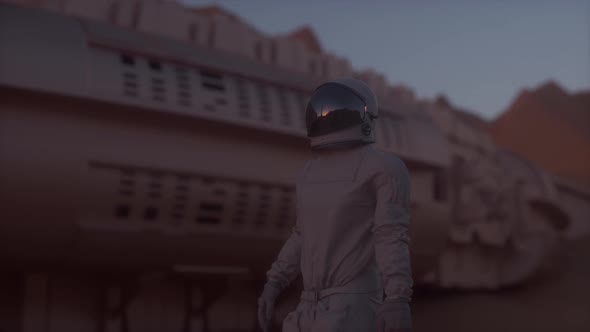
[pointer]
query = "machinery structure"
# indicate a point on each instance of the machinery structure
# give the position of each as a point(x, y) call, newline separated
point(139, 173)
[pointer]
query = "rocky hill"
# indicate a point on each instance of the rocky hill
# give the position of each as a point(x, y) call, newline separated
point(550, 126)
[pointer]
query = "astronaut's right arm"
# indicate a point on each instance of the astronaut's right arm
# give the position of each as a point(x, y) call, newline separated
point(284, 269)
point(287, 265)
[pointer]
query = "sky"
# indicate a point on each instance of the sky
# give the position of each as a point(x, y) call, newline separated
point(478, 53)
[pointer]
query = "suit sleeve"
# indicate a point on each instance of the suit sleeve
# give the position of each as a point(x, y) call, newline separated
point(391, 228)
point(287, 265)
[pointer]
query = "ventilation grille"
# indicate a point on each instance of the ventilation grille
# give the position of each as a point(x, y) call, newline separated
point(157, 82)
point(132, 196)
point(212, 81)
point(183, 82)
point(285, 107)
point(243, 98)
point(129, 76)
point(263, 103)
point(176, 85)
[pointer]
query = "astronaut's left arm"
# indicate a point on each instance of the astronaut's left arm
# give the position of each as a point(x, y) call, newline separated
point(391, 229)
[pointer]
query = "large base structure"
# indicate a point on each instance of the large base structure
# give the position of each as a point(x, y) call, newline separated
point(147, 182)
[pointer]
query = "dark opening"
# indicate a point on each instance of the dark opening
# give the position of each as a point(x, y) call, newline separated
point(122, 211)
point(127, 60)
point(210, 74)
point(150, 213)
point(155, 185)
point(155, 65)
point(154, 194)
point(208, 220)
point(156, 175)
point(211, 207)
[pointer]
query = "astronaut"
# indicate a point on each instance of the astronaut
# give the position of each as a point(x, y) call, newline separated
point(350, 239)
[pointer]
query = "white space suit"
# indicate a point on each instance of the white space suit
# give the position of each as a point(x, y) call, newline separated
point(350, 241)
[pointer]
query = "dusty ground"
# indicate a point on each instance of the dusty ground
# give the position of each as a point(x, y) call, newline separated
point(551, 302)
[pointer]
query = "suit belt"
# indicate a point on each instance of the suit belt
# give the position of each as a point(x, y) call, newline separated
point(315, 296)
point(365, 282)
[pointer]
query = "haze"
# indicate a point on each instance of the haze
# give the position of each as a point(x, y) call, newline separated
point(480, 54)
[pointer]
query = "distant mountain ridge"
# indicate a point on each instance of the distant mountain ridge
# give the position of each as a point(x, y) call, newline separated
point(550, 126)
point(467, 116)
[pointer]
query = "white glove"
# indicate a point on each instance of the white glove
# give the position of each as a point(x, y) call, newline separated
point(394, 316)
point(266, 305)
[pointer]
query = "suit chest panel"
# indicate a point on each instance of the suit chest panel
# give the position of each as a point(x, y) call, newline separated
point(327, 199)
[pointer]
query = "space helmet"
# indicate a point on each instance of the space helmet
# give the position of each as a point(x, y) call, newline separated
point(341, 111)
